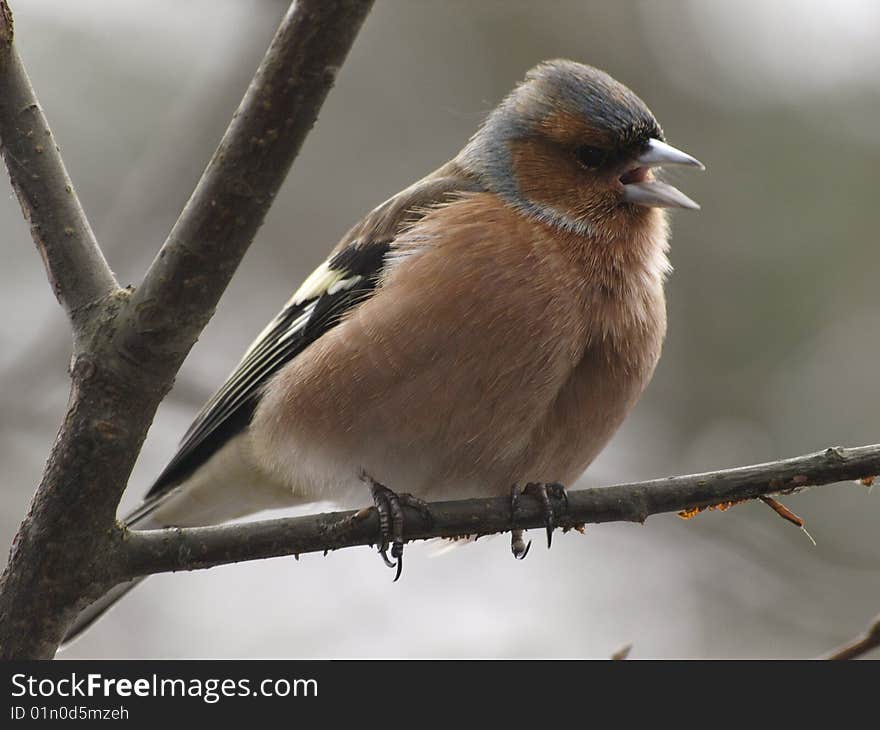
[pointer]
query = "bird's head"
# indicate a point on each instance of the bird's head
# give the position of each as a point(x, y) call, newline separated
point(575, 148)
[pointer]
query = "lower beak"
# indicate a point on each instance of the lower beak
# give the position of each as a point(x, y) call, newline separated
point(653, 193)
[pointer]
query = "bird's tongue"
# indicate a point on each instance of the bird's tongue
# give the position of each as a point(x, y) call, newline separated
point(636, 175)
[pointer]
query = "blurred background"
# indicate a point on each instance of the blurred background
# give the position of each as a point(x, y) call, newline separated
point(772, 348)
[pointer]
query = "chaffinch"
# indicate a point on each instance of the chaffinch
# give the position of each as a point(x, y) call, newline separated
point(490, 325)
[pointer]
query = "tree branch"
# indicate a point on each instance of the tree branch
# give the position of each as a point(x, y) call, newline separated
point(868, 641)
point(77, 271)
point(185, 281)
point(157, 551)
point(69, 549)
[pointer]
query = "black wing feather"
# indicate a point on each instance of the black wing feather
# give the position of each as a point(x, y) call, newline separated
point(361, 253)
point(231, 409)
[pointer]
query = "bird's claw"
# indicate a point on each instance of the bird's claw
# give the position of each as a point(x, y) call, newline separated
point(383, 551)
point(546, 493)
point(518, 546)
point(389, 505)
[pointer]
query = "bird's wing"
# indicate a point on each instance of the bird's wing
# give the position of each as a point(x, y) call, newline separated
point(346, 278)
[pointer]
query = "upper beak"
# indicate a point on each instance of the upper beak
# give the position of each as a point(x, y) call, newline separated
point(653, 193)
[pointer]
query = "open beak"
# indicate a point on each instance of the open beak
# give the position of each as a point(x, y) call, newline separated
point(653, 193)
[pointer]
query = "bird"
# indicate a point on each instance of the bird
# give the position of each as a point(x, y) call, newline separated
point(488, 327)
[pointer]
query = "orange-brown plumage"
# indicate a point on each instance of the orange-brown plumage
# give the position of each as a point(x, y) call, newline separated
point(502, 386)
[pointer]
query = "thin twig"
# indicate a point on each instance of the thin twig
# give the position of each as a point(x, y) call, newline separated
point(858, 647)
point(77, 271)
point(786, 514)
point(159, 551)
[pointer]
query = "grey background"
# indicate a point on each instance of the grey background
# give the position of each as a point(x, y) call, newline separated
point(772, 348)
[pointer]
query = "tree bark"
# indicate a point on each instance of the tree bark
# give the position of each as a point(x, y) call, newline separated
point(77, 271)
point(129, 347)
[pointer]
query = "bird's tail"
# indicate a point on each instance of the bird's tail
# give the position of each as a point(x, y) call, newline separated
point(211, 496)
point(139, 518)
point(92, 613)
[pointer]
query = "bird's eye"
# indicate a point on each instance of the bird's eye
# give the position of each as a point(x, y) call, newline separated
point(589, 157)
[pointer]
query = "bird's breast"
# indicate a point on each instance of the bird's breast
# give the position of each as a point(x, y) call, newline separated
point(478, 362)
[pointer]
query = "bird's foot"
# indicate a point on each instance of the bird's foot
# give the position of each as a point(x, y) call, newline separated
point(389, 505)
point(547, 494)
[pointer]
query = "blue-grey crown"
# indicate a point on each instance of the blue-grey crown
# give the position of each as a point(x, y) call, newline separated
point(551, 87)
